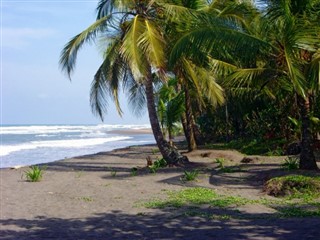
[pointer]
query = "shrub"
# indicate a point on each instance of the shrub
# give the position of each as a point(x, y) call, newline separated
point(190, 176)
point(160, 163)
point(297, 186)
point(34, 174)
point(290, 163)
point(220, 162)
point(134, 171)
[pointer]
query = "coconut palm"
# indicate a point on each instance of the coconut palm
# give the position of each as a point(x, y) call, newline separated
point(170, 107)
point(135, 44)
point(199, 84)
point(279, 49)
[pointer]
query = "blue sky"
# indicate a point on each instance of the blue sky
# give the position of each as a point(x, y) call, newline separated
point(33, 89)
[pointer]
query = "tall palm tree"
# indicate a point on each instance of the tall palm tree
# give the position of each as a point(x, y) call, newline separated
point(278, 49)
point(195, 80)
point(135, 44)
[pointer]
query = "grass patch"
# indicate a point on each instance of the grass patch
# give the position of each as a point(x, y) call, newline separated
point(34, 174)
point(196, 196)
point(294, 211)
point(294, 186)
point(206, 203)
point(86, 199)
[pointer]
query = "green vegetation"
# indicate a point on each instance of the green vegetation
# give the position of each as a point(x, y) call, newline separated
point(134, 171)
point(294, 186)
point(160, 163)
point(195, 202)
point(298, 211)
point(34, 174)
point(253, 146)
point(290, 163)
point(113, 172)
point(154, 151)
point(221, 165)
point(86, 199)
point(167, 61)
point(190, 175)
point(221, 162)
point(196, 196)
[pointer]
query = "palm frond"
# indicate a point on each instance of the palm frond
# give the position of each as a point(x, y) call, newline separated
point(294, 72)
point(136, 98)
point(204, 84)
point(175, 12)
point(315, 71)
point(210, 38)
point(220, 67)
point(174, 109)
point(130, 49)
point(153, 45)
point(107, 81)
point(107, 7)
point(249, 77)
point(69, 53)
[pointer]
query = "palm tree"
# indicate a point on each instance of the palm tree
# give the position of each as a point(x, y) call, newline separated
point(284, 53)
point(135, 52)
point(198, 84)
point(170, 107)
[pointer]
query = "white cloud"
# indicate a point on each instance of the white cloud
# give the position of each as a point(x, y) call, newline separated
point(22, 37)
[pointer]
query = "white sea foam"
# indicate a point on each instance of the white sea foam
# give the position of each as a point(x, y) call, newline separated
point(102, 128)
point(75, 143)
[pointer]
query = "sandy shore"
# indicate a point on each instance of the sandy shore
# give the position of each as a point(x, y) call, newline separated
point(97, 197)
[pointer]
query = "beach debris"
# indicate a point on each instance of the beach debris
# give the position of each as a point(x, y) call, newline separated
point(149, 161)
point(247, 160)
point(16, 167)
point(206, 154)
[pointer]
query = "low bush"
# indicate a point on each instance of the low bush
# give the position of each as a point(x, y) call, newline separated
point(290, 163)
point(190, 175)
point(296, 186)
point(160, 163)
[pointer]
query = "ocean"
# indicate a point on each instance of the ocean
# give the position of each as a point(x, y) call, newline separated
point(26, 145)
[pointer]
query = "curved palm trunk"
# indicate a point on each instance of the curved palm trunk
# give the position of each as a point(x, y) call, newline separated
point(171, 155)
point(192, 145)
point(307, 158)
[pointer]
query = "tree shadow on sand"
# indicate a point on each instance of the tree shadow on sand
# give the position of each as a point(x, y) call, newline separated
point(160, 225)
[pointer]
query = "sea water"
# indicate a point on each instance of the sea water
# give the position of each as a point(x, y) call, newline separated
point(26, 145)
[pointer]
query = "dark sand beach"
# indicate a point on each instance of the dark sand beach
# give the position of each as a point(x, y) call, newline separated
point(96, 197)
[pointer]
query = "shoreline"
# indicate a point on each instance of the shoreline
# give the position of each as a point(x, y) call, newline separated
point(35, 154)
point(81, 156)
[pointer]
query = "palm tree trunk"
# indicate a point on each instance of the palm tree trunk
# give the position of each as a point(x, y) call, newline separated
point(192, 145)
point(184, 126)
point(307, 158)
point(171, 155)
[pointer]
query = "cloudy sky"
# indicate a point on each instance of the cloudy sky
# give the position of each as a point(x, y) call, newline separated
point(33, 89)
